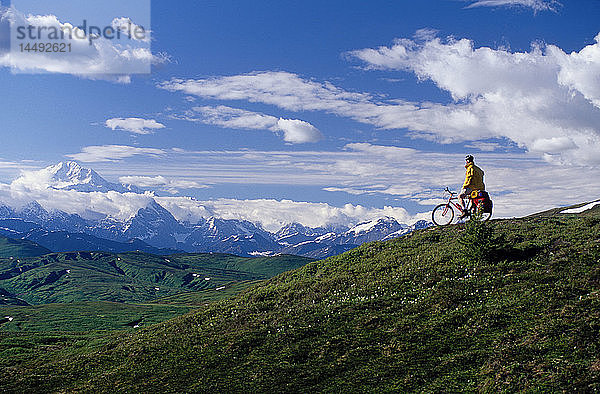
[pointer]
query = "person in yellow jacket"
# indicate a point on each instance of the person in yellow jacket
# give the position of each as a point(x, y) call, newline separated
point(473, 181)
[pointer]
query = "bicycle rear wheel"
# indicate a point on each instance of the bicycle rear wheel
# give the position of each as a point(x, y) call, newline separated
point(442, 215)
point(480, 214)
point(486, 216)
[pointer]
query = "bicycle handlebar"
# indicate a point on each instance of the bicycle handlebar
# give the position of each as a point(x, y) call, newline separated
point(448, 190)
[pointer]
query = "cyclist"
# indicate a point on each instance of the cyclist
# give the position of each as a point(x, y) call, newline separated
point(473, 181)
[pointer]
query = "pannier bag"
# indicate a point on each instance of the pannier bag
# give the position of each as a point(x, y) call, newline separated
point(482, 197)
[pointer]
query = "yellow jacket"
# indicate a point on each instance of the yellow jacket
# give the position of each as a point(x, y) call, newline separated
point(474, 178)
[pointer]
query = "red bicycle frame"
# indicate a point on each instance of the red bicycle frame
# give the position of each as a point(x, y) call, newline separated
point(451, 201)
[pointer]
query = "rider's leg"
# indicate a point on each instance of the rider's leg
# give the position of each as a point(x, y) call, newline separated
point(465, 192)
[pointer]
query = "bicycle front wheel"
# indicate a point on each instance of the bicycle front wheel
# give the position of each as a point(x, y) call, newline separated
point(442, 215)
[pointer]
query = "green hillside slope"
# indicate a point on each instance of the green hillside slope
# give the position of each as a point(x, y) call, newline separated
point(267, 266)
point(129, 277)
point(20, 248)
point(426, 312)
point(85, 316)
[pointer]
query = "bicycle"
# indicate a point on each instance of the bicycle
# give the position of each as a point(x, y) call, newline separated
point(443, 214)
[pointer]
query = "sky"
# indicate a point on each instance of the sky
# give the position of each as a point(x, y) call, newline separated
point(316, 112)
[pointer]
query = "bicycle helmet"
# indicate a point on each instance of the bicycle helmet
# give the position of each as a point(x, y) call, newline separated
point(469, 158)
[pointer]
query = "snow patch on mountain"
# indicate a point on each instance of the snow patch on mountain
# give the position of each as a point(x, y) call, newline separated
point(326, 237)
point(380, 223)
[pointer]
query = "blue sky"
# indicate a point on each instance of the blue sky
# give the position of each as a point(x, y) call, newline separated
point(372, 104)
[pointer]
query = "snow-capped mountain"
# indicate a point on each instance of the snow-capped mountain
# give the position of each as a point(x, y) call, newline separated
point(373, 230)
point(33, 212)
point(71, 175)
point(332, 243)
point(153, 226)
point(6, 211)
point(230, 236)
point(223, 228)
point(156, 227)
point(420, 225)
point(295, 233)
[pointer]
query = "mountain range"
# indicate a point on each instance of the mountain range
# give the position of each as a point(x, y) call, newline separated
point(154, 229)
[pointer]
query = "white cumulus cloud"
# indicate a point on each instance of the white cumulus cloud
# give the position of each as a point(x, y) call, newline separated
point(294, 131)
point(279, 88)
point(85, 54)
point(580, 71)
point(297, 131)
point(134, 125)
point(291, 92)
point(544, 100)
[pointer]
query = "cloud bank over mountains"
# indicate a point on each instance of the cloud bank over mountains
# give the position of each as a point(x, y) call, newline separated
point(273, 214)
point(70, 188)
point(519, 184)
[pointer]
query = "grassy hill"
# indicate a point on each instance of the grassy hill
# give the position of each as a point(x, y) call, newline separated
point(514, 305)
point(129, 277)
point(19, 248)
point(86, 316)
